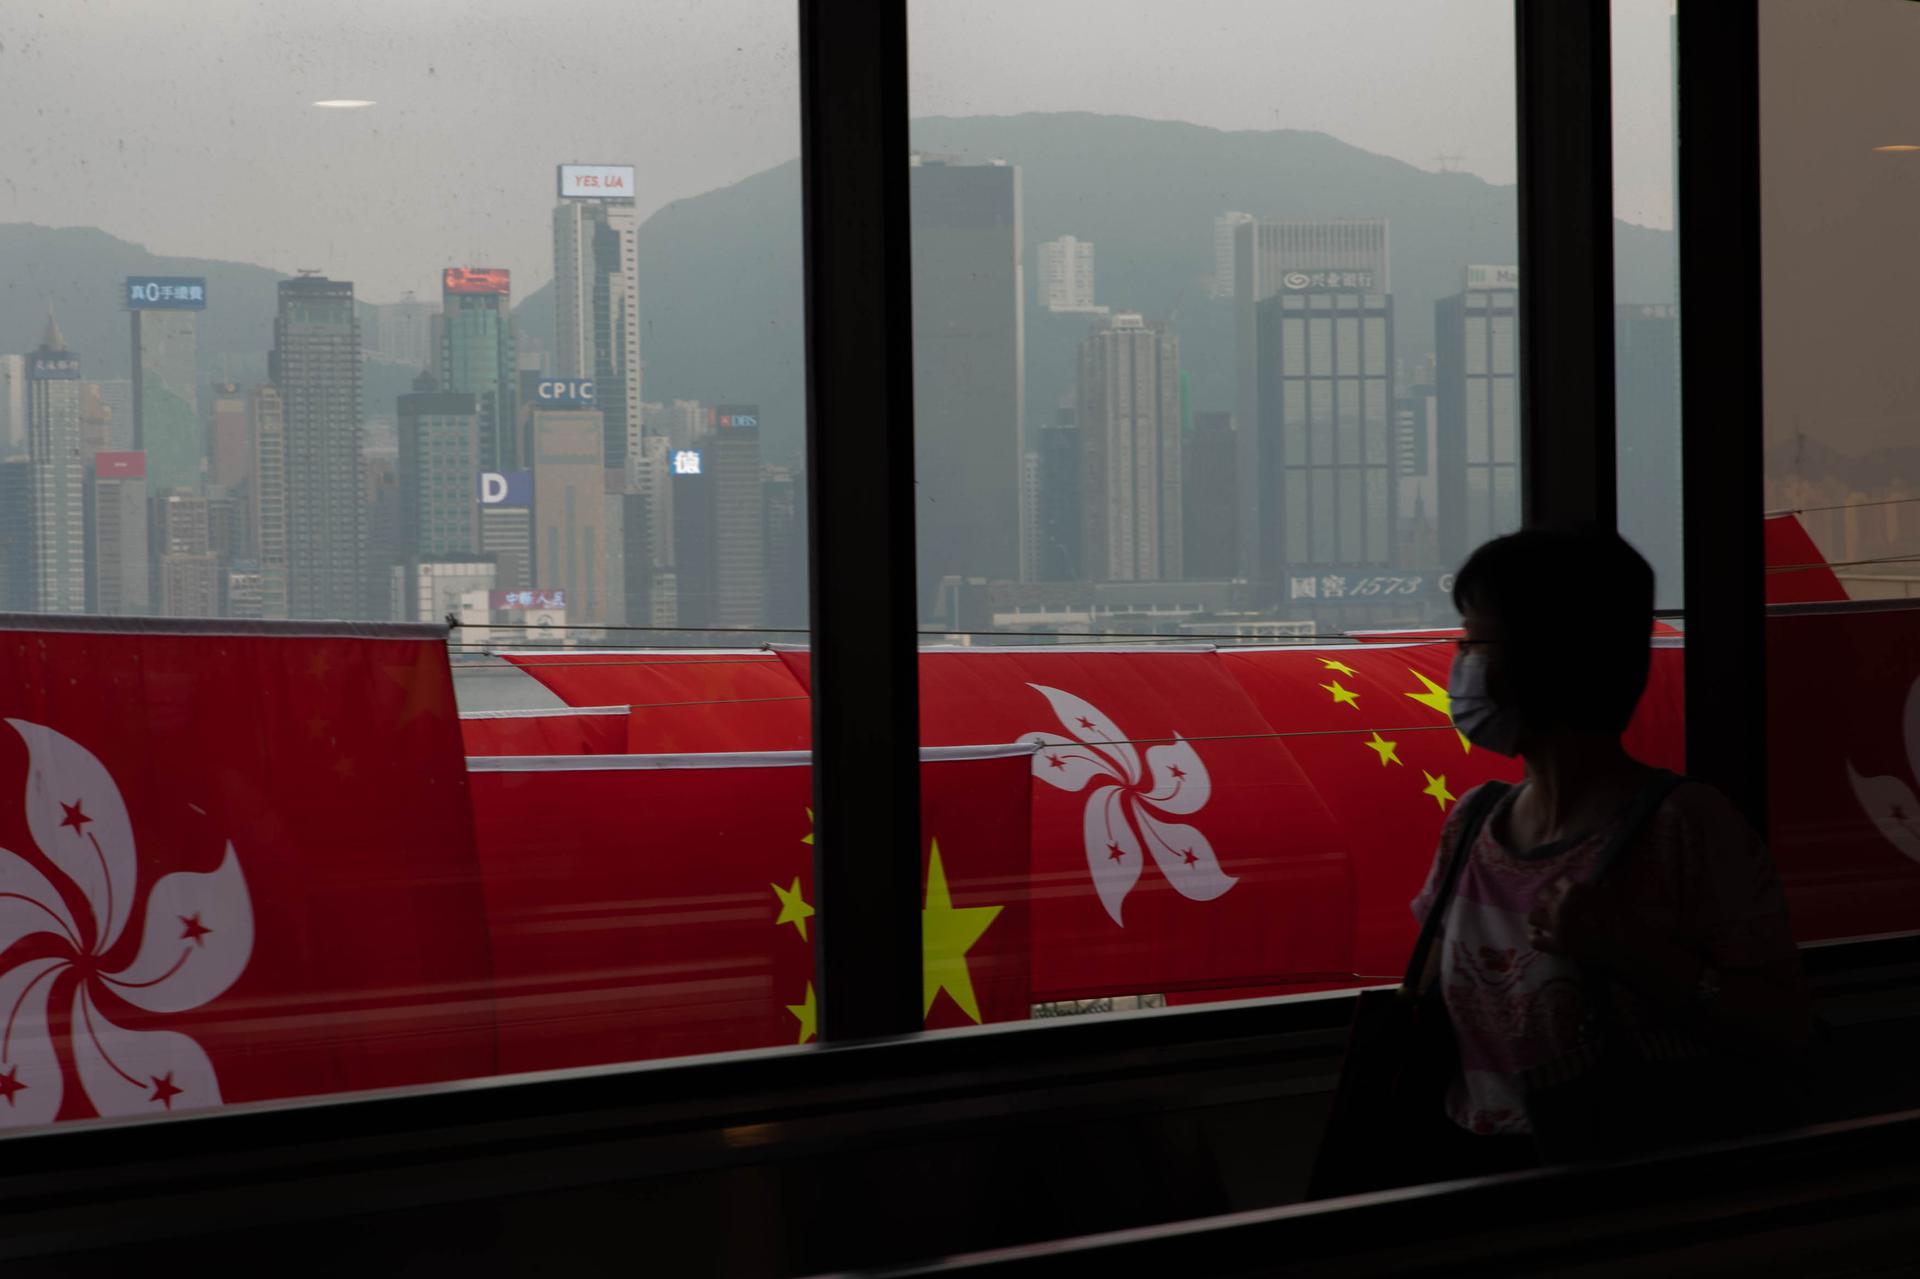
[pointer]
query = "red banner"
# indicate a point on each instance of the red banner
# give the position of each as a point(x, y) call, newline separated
point(1843, 735)
point(213, 898)
point(1176, 843)
point(656, 907)
point(1797, 573)
point(585, 730)
point(684, 701)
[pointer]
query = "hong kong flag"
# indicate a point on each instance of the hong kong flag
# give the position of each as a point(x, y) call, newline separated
point(235, 864)
point(1176, 842)
point(658, 906)
point(1843, 732)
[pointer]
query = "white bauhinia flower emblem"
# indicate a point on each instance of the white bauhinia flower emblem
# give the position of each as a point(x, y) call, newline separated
point(1890, 802)
point(1126, 811)
point(196, 935)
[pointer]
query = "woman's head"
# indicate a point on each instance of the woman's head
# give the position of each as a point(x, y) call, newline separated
point(1562, 617)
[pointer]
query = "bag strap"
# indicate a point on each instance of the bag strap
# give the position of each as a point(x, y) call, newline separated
point(1489, 794)
point(1638, 814)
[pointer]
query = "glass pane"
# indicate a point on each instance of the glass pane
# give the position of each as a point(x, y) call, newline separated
point(1837, 169)
point(372, 324)
point(1647, 290)
point(1228, 135)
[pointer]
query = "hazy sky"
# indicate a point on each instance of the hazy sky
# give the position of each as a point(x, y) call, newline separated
point(186, 125)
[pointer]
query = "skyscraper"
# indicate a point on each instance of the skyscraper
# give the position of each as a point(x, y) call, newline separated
point(16, 534)
point(969, 369)
point(117, 580)
point(1066, 275)
point(1269, 257)
point(166, 379)
point(477, 356)
point(1128, 410)
point(267, 495)
point(1207, 465)
point(439, 471)
point(1222, 284)
point(190, 576)
point(1056, 521)
point(596, 297)
point(57, 484)
point(785, 493)
point(1477, 435)
point(315, 365)
point(229, 449)
point(569, 505)
point(1323, 494)
point(403, 333)
point(13, 405)
point(694, 538)
point(740, 549)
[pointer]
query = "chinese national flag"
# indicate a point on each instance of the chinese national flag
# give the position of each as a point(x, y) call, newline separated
point(1372, 727)
point(219, 884)
point(587, 730)
point(656, 907)
point(1797, 573)
point(1843, 736)
point(1176, 842)
point(685, 701)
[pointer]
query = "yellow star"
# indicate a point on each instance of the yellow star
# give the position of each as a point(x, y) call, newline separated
point(1342, 667)
point(1436, 697)
point(1340, 695)
point(793, 907)
point(1385, 750)
point(807, 1015)
point(947, 933)
point(809, 836)
point(1437, 787)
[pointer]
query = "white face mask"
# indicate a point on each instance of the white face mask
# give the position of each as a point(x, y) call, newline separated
point(1479, 718)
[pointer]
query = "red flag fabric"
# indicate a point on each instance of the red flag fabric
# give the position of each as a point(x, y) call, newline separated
point(1843, 736)
point(585, 730)
point(1176, 843)
point(646, 907)
point(1370, 724)
point(684, 701)
point(216, 885)
point(1797, 573)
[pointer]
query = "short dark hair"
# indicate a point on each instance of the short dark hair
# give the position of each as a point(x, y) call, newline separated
point(1574, 607)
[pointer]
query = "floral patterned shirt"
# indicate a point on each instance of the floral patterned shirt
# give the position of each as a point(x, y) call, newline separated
point(1696, 874)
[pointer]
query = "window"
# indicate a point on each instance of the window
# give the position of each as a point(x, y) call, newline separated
point(481, 325)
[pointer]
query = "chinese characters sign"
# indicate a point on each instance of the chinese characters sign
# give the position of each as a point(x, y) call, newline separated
point(166, 293)
point(1365, 587)
point(686, 462)
point(1327, 280)
point(501, 601)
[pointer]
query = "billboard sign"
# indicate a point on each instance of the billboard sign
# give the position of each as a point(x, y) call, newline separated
point(504, 601)
point(1493, 277)
point(166, 293)
point(56, 366)
point(506, 488)
point(732, 415)
point(475, 279)
point(596, 182)
point(1327, 280)
point(687, 462)
point(120, 466)
point(564, 393)
point(1371, 587)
